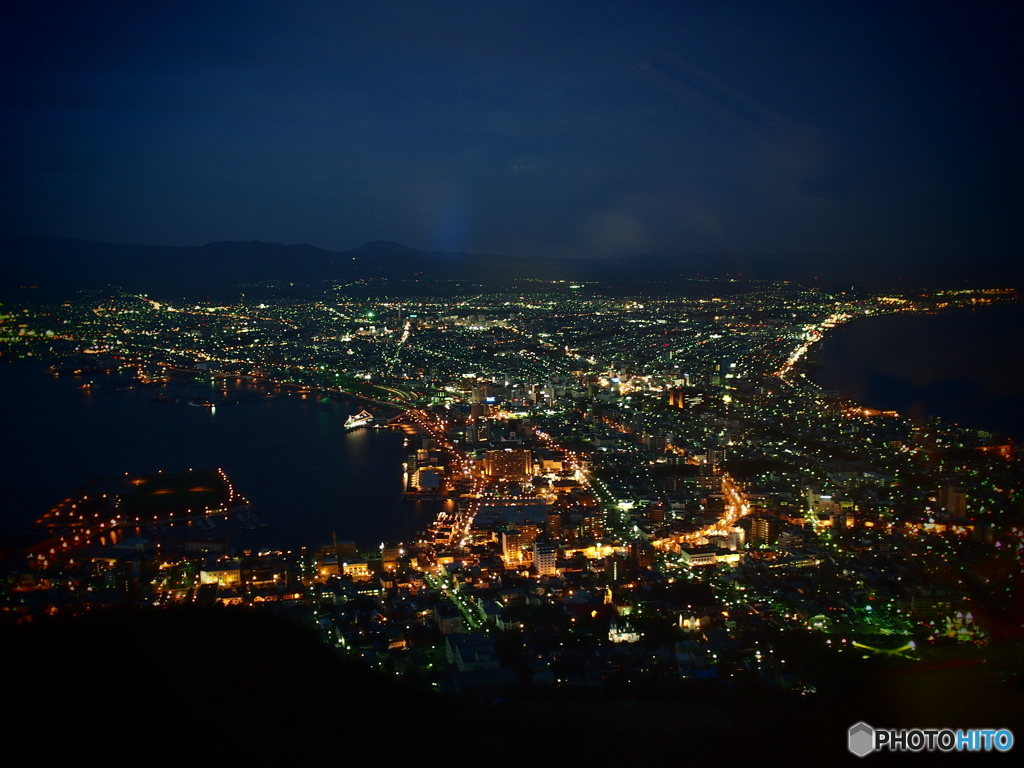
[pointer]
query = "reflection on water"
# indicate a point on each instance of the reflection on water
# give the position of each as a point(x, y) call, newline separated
point(290, 456)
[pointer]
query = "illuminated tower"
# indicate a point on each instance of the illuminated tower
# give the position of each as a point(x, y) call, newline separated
point(511, 548)
point(763, 530)
point(545, 557)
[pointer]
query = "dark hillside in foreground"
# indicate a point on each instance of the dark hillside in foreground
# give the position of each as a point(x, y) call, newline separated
point(232, 687)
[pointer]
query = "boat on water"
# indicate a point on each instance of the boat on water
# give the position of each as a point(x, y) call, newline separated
point(361, 419)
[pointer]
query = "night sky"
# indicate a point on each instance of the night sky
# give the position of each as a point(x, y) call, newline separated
point(532, 129)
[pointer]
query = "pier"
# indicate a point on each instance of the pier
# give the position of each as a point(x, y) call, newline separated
point(107, 504)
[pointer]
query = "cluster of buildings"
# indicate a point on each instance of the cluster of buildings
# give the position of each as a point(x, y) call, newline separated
point(638, 489)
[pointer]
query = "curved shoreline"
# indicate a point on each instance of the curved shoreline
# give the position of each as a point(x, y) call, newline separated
point(921, 379)
point(290, 456)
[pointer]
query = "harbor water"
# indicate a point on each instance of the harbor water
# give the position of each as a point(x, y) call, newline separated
point(291, 456)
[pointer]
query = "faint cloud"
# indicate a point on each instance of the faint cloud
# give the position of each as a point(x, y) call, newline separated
point(808, 160)
point(615, 233)
point(700, 89)
point(798, 156)
point(704, 229)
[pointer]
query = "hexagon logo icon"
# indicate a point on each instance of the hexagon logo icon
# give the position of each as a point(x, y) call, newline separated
point(861, 739)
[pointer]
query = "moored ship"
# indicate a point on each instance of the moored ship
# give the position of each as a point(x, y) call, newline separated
point(361, 419)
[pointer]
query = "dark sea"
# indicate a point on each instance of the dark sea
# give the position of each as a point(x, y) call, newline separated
point(961, 365)
point(291, 457)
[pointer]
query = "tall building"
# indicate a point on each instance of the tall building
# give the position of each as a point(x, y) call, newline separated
point(715, 457)
point(677, 397)
point(545, 557)
point(510, 463)
point(554, 524)
point(763, 530)
point(511, 546)
point(592, 526)
point(389, 554)
point(528, 533)
point(953, 501)
point(656, 513)
point(641, 553)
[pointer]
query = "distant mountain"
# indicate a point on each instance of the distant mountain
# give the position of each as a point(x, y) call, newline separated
point(58, 267)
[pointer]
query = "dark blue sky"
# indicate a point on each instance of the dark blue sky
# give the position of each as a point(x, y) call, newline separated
point(561, 129)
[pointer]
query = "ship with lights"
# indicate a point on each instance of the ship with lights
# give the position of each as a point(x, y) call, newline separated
point(361, 419)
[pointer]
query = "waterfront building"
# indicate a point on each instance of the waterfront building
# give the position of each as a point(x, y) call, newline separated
point(427, 479)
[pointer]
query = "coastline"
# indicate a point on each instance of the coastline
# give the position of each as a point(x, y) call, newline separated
point(949, 363)
point(289, 455)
